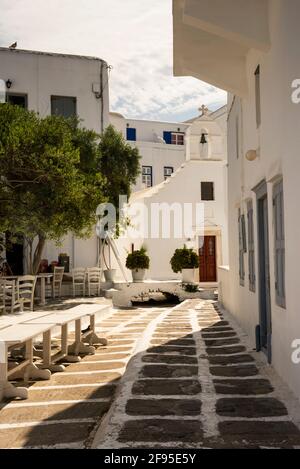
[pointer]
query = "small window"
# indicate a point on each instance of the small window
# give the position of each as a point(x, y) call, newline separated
point(147, 176)
point(168, 171)
point(17, 99)
point(251, 251)
point(131, 134)
point(177, 138)
point(64, 106)
point(257, 97)
point(207, 191)
point(278, 204)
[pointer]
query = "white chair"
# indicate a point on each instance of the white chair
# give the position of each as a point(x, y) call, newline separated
point(26, 287)
point(78, 280)
point(57, 281)
point(94, 279)
point(11, 296)
point(2, 296)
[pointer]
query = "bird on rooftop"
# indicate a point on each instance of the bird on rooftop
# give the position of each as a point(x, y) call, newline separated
point(13, 46)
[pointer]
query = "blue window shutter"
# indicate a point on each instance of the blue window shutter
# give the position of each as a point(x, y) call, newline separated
point(131, 134)
point(279, 244)
point(251, 251)
point(168, 137)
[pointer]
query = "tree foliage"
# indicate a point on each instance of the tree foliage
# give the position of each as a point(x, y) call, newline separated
point(119, 164)
point(50, 180)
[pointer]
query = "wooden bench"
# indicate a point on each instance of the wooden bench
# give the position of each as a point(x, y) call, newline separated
point(15, 335)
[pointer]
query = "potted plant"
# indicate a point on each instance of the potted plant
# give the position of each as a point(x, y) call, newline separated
point(138, 262)
point(185, 261)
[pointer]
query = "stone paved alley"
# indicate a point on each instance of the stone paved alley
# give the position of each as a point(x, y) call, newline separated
point(170, 377)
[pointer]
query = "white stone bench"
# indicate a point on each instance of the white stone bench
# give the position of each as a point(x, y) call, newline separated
point(13, 332)
point(15, 335)
point(62, 319)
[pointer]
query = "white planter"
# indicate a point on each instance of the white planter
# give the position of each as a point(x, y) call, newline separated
point(110, 275)
point(138, 275)
point(188, 275)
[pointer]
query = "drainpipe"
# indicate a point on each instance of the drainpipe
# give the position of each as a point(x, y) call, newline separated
point(102, 98)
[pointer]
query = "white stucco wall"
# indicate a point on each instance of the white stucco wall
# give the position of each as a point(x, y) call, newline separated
point(279, 141)
point(40, 75)
point(185, 187)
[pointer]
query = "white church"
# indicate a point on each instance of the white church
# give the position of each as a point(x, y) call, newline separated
point(196, 156)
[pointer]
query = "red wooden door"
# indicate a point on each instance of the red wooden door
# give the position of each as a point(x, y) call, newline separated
point(208, 261)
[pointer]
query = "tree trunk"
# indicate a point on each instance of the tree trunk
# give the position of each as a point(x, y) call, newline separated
point(38, 253)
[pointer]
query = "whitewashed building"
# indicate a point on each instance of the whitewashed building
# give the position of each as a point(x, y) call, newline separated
point(162, 146)
point(63, 84)
point(201, 178)
point(251, 49)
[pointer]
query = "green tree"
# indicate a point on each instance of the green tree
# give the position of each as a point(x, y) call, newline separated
point(50, 178)
point(119, 164)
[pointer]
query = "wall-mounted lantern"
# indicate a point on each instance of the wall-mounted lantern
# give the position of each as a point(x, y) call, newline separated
point(8, 84)
point(251, 155)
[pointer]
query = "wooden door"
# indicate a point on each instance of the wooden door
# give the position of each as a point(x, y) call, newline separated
point(208, 260)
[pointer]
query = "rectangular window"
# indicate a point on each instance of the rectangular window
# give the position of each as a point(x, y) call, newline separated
point(131, 134)
point(17, 99)
point(64, 106)
point(177, 138)
point(168, 171)
point(207, 191)
point(251, 251)
point(278, 203)
point(147, 176)
point(241, 251)
point(257, 97)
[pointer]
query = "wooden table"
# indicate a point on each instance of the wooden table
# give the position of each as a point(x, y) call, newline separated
point(41, 277)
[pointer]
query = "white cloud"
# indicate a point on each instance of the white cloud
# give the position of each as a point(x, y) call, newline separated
point(134, 36)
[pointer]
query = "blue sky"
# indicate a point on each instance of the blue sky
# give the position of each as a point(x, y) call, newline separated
point(134, 36)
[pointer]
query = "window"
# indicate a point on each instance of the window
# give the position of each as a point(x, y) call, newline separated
point(17, 99)
point(64, 106)
point(278, 203)
point(168, 171)
point(131, 134)
point(242, 243)
point(257, 97)
point(177, 139)
point(251, 252)
point(207, 191)
point(147, 176)
point(174, 138)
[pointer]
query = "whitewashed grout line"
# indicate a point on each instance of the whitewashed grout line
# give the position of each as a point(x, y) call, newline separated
point(208, 395)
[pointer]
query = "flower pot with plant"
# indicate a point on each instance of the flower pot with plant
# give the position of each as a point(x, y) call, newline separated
point(185, 261)
point(138, 262)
